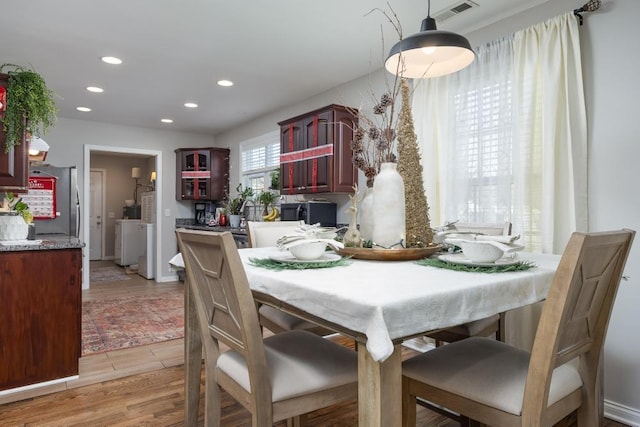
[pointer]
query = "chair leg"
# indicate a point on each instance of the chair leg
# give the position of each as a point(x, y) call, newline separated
point(408, 405)
point(468, 422)
point(299, 421)
point(501, 332)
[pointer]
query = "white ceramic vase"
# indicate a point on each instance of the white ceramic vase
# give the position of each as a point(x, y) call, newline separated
point(388, 208)
point(13, 227)
point(365, 211)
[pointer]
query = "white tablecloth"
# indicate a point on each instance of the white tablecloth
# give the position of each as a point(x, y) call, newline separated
point(390, 300)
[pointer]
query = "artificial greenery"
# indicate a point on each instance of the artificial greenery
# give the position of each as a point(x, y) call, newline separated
point(275, 265)
point(266, 198)
point(275, 179)
point(29, 102)
point(17, 205)
point(233, 206)
point(520, 266)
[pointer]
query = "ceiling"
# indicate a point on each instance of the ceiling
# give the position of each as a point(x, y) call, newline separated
point(277, 52)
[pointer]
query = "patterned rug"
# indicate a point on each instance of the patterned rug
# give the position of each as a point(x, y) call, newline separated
point(109, 273)
point(131, 321)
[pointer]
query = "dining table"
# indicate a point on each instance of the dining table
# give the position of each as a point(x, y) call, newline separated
point(380, 304)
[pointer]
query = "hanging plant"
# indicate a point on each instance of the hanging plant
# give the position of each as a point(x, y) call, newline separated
point(30, 106)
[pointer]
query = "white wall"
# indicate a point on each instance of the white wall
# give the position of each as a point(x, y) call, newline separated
point(610, 64)
point(68, 138)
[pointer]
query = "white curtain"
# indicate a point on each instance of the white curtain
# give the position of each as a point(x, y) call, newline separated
point(506, 140)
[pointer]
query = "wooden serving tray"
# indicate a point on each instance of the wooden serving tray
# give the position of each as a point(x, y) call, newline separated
point(377, 254)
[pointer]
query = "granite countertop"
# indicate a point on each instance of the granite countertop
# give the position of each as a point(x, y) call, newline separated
point(42, 242)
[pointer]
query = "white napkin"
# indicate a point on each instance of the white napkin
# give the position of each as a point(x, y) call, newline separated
point(287, 243)
point(505, 246)
point(502, 239)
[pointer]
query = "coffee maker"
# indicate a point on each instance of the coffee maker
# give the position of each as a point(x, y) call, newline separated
point(201, 213)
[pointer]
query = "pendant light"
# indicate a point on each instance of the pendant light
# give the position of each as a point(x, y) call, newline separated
point(429, 53)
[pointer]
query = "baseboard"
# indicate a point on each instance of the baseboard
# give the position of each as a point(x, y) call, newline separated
point(623, 414)
point(169, 278)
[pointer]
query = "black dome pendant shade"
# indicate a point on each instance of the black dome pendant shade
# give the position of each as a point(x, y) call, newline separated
point(429, 53)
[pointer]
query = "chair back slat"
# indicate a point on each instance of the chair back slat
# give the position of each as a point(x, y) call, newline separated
point(264, 234)
point(576, 312)
point(221, 292)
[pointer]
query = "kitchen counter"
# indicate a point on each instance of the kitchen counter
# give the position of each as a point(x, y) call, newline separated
point(215, 228)
point(42, 242)
point(239, 234)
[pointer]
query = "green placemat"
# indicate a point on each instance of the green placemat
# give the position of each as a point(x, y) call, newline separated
point(275, 265)
point(520, 266)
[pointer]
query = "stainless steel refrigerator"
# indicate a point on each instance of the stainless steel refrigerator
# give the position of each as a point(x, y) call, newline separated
point(63, 215)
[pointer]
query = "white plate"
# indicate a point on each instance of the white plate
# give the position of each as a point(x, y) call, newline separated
point(460, 259)
point(288, 258)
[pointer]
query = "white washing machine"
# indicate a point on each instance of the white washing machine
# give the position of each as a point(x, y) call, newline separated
point(146, 262)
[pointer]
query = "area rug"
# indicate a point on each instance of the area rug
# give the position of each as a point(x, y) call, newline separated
point(131, 321)
point(109, 273)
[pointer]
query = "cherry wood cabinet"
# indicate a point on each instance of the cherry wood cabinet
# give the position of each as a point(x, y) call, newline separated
point(202, 173)
point(40, 315)
point(316, 155)
point(14, 165)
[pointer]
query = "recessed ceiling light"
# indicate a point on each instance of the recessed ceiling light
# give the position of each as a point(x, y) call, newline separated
point(166, 120)
point(83, 109)
point(111, 60)
point(95, 89)
point(225, 83)
point(191, 105)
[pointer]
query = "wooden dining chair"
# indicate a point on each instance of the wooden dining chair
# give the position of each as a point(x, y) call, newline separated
point(265, 234)
point(280, 377)
point(492, 325)
point(490, 382)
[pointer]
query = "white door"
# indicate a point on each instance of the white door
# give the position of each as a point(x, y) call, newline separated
point(95, 214)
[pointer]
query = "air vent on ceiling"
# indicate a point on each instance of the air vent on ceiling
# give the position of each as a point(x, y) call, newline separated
point(456, 9)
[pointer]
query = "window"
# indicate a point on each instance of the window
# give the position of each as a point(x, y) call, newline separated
point(504, 140)
point(259, 157)
point(485, 146)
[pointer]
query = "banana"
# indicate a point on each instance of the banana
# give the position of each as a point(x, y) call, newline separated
point(277, 211)
point(272, 215)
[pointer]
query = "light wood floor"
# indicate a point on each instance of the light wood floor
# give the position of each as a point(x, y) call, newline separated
point(145, 386)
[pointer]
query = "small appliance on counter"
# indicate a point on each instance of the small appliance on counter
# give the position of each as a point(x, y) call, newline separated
point(132, 212)
point(311, 212)
point(201, 212)
point(204, 212)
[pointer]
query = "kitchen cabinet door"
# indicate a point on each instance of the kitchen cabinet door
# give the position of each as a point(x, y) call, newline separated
point(316, 155)
point(202, 173)
point(40, 301)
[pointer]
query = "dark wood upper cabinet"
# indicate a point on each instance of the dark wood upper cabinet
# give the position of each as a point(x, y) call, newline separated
point(316, 155)
point(14, 165)
point(202, 173)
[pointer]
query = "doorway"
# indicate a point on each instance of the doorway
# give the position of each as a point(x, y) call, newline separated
point(91, 233)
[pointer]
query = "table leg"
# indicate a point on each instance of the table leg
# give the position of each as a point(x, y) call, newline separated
point(379, 389)
point(192, 359)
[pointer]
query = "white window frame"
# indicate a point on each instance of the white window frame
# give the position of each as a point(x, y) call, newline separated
point(262, 141)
